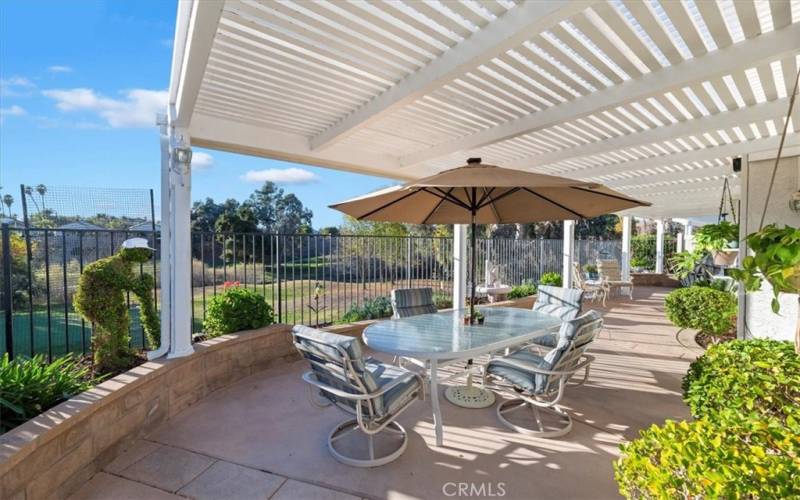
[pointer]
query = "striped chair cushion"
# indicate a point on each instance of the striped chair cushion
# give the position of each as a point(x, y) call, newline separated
point(412, 301)
point(564, 303)
point(573, 334)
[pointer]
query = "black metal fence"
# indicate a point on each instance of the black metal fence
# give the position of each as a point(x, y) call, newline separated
point(309, 279)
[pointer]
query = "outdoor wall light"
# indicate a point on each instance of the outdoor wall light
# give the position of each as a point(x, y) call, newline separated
point(183, 155)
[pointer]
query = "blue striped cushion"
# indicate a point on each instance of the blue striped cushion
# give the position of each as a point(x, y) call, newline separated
point(412, 302)
point(563, 303)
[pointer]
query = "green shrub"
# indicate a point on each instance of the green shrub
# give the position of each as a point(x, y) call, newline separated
point(759, 377)
point(379, 307)
point(442, 300)
point(553, 279)
point(590, 269)
point(730, 457)
point(701, 308)
point(523, 290)
point(236, 309)
point(30, 386)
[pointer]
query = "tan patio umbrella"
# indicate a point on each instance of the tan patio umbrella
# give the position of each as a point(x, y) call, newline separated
point(487, 194)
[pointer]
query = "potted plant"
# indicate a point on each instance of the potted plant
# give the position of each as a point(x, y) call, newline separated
point(721, 240)
point(477, 318)
point(591, 271)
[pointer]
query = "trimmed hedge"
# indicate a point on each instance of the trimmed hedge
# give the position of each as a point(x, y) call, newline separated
point(236, 309)
point(702, 308)
point(523, 290)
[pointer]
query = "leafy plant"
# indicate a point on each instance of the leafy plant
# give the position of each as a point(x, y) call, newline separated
point(702, 308)
point(732, 456)
point(30, 386)
point(715, 237)
point(590, 269)
point(641, 262)
point(442, 300)
point(759, 377)
point(684, 263)
point(523, 290)
point(776, 258)
point(236, 309)
point(551, 278)
point(379, 307)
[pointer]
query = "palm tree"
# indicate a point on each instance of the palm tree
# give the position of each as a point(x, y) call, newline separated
point(8, 200)
point(41, 189)
point(29, 193)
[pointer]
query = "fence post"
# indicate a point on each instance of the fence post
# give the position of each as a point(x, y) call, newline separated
point(408, 262)
point(7, 299)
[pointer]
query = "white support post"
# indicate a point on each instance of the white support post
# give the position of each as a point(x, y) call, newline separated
point(459, 265)
point(688, 236)
point(569, 250)
point(625, 265)
point(679, 243)
point(177, 211)
point(659, 246)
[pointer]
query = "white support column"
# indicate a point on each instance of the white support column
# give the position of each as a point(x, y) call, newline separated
point(177, 211)
point(688, 236)
point(625, 265)
point(679, 243)
point(569, 250)
point(659, 246)
point(459, 265)
point(165, 243)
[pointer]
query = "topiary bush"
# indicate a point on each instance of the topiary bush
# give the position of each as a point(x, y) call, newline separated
point(760, 377)
point(734, 457)
point(30, 386)
point(376, 308)
point(236, 309)
point(702, 308)
point(523, 290)
point(553, 279)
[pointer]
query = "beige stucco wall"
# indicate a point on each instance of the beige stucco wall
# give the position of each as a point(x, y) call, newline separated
point(757, 319)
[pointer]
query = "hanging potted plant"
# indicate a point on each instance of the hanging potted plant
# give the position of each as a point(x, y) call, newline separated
point(721, 240)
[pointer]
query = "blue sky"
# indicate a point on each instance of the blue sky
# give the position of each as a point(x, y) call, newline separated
point(79, 83)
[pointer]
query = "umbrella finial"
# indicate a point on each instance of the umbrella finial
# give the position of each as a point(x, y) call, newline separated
point(473, 161)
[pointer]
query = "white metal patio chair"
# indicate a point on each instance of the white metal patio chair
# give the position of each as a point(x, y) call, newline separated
point(374, 393)
point(538, 382)
point(611, 274)
point(592, 290)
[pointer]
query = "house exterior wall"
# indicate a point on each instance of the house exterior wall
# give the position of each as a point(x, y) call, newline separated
point(756, 318)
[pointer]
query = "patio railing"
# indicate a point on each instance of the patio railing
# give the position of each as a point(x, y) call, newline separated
point(310, 278)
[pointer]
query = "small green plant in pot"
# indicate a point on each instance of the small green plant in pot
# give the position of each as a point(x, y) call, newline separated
point(721, 240)
point(236, 309)
point(477, 318)
point(591, 271)
point(553, 279)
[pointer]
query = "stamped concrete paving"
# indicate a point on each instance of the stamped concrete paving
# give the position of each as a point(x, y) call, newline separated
point(261, 438)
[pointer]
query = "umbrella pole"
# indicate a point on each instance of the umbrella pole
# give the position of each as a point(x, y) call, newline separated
point(472, 276)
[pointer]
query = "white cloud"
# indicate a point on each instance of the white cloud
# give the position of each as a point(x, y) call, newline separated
point(12, 111)
point(16, 86)
point(59, 69)
point(202, 161)
point(138, 108)
point(280, 176)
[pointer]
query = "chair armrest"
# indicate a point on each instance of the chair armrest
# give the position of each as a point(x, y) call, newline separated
point(585, 359)
point(311, 378)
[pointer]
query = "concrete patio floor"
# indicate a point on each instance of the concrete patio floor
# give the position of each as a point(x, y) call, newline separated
point(261, 438)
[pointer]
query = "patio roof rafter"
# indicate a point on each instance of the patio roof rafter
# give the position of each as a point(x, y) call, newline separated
point(503, 34)
point(733, 59)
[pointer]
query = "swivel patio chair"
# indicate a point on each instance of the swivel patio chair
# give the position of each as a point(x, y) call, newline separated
point(412, 301)
point(563, 303)
point(374, 393)
point(538, 382)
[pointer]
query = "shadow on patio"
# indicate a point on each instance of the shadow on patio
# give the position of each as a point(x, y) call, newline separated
point(262, 438)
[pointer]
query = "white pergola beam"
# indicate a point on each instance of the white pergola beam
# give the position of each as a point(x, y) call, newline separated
point(729, 60)
point(726, 120)
point(511, 30)
point(190, 65)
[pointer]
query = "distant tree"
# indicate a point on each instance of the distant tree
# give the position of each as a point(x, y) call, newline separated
point(329, 231)
point(204, 215)
point(8, 200)
point(373, 228)
point(42, 190)
point(277, 211)
point(240, 220)
point(603, 226)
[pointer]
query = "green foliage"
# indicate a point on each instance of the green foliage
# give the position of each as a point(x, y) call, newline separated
point(684, 263)
point(713, 237)
point(236, 309)
point(590, 268)
point(643, 250)
point(19, 274)
point(523, 290)
point(702, 308)
point(29, 386)
point(442, 300)
point(100, 299)
point(759, 378)
point(550, 279)
point(735, 458)
point(376, 308)
point(776, 258)
point(745, 442)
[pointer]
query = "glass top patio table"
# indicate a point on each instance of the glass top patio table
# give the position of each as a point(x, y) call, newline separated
point(443, 335)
